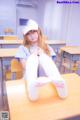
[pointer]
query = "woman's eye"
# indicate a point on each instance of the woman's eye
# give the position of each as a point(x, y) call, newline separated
point(32, 31)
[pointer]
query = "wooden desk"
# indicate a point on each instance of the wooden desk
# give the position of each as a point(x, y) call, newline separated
point(56, 45)
point(10, 43)
point(49, 106)
point(4, 53)
point(70, 52)
point(55, 42)
point(7, 52)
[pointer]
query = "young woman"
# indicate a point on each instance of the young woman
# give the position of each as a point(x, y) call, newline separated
point(36, 57)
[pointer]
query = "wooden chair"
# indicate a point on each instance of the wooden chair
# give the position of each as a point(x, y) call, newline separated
point(16, 69)
point(8, 31)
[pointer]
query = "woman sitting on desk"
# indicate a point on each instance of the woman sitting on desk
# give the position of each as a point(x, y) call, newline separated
point(35, 54)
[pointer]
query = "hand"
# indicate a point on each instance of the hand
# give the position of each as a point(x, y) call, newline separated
point(37, 51)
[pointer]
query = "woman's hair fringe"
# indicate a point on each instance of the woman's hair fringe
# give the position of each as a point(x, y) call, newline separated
point(41, 42)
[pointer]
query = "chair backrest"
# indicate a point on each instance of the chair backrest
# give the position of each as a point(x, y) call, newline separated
point(16, 67)
point(8, 31)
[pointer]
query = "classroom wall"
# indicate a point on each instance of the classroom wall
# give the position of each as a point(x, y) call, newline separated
point(25, 13)
point(7, 15)
point(52, 19)
point(58, 21)
point(40, 13)
point(73, 30)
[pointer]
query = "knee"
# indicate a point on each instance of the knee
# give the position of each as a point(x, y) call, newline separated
point(32, 92)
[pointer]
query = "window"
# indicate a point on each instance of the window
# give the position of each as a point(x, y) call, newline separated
point(22, 21)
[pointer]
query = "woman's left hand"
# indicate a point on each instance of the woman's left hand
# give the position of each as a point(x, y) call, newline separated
point(39, 51)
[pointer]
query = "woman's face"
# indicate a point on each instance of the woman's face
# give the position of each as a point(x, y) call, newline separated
point(33, 36)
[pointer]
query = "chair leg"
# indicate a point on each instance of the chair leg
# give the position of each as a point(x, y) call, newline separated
point(13, 76)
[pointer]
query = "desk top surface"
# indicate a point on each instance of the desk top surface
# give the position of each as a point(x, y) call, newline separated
point(71, 49)
point(55, 42)
point(21, 41)
point(3, 42)
point(8, 52)
point(49, 106)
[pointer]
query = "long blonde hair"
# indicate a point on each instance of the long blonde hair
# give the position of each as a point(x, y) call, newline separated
point(41, 42)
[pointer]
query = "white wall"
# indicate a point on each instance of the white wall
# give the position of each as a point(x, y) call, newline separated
point(7, 15)
point(73, 31)
point(60, 21)
point(40, 13)
point(26, 13)
point(51, 15)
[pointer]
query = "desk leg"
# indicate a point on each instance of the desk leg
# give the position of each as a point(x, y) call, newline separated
point(13, 76)
point(61, 60)
point(78, 71)
point(1, 85)
point(3, 95)
point(70, 68)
